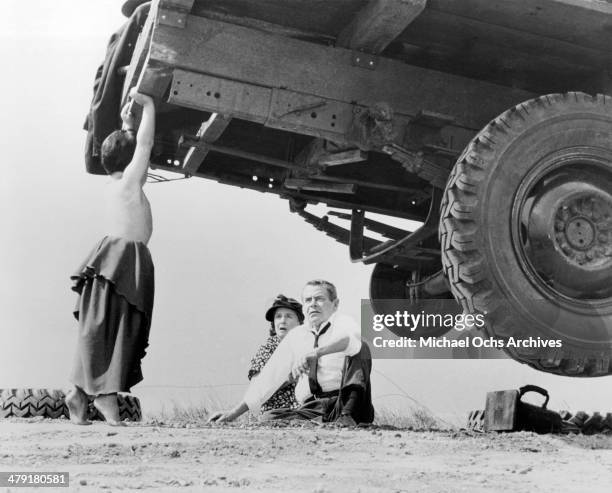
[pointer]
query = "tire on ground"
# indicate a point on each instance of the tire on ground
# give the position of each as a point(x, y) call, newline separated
point(29, 403)
point(129, 409)
point(512, 216)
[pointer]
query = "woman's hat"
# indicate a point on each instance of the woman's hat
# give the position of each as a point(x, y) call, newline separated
point(130, 5)
point(282, 301)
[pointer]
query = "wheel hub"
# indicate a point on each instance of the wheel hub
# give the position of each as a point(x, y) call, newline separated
point(583, 230)
point(567, 232)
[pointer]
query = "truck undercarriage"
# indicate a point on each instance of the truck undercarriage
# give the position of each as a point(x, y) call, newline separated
point(413, 109)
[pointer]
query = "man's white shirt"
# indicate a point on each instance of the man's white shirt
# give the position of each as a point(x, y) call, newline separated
point(296, 344)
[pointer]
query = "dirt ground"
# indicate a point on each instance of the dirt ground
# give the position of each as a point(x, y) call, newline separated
point(309, 459)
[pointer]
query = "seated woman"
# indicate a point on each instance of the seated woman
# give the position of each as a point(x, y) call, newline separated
point(284, 314)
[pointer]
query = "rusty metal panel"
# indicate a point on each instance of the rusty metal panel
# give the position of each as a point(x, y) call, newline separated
point(290, 110)
point(364, 60)
point(242, 54)
point(172, 18)
point(208, 93)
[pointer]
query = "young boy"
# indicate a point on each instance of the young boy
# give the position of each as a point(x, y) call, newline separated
point(116, 282)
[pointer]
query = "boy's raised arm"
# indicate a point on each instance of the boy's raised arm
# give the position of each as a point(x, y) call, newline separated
point(136, 172)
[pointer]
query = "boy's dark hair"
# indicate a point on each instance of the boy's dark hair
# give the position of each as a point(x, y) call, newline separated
point(117, 150)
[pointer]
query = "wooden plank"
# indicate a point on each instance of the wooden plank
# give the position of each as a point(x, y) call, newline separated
point(344, 157)
point(375, 26)
point(140, 54)
point(148, 76)
point(461, 35)
point(580, 22)
point(269, 27)
point(209, 132)
point(242, 54)
point(275, 108)
point(212, 128)
point(320, 16)
point(184, 5)
point(379, 23)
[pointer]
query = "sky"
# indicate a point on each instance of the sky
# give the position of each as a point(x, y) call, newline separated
point(221, 254)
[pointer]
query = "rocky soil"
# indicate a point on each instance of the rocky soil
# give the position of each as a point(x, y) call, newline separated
point(185, 457)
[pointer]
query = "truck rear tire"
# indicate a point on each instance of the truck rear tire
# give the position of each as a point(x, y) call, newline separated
point(526, 231)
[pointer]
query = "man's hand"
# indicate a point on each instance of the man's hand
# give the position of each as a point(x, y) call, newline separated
point(128, 117)
point(304, 363)
point(141, 99)
point(219, 418)
point(227, 416)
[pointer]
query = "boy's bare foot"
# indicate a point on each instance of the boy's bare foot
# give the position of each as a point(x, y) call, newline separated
point(108, 407)
point(77, 403)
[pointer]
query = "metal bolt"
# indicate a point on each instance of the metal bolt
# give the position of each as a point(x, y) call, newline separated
point(566, 249)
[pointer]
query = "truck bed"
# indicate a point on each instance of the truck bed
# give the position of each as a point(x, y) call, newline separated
point(302, 98)
point(538, 45)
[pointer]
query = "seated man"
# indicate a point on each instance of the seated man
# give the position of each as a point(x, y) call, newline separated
point(328, 387)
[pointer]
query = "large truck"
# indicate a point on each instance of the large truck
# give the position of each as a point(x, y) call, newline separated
point(487, 121)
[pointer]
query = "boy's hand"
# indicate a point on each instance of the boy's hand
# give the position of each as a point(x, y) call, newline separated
point(127, 116)
point(139, 98)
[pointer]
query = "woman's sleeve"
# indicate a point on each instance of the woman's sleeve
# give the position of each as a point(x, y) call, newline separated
point(261, 357)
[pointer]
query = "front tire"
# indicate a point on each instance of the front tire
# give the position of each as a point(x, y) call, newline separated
point(526, 231)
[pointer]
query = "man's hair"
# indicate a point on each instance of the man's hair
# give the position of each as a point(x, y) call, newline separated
point(331, 289)
point(117, 150)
